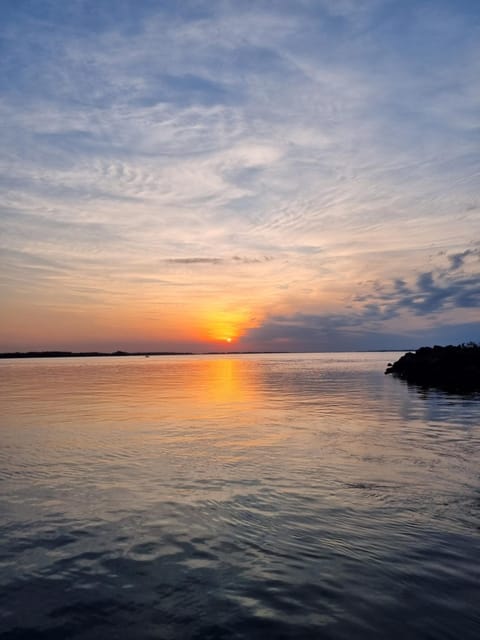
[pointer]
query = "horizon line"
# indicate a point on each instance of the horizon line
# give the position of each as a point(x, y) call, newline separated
point(119, 353)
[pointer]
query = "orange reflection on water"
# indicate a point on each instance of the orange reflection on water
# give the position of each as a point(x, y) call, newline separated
point(224, 381)
point(196, 404)
point(194, 411)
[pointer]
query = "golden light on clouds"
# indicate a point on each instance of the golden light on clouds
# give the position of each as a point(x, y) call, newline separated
point(225, 325)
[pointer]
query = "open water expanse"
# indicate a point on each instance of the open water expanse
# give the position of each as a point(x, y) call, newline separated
point(227, 497)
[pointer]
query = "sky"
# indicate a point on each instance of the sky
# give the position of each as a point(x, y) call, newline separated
point(293, 175)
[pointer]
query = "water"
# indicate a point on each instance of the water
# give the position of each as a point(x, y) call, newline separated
point(294, 496)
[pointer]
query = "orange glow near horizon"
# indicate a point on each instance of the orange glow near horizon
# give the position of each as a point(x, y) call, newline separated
point(225, 326)
point(144, 326)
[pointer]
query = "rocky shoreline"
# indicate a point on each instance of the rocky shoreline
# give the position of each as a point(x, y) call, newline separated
point(452, 368)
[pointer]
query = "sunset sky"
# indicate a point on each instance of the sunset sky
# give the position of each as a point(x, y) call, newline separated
point(239, 175)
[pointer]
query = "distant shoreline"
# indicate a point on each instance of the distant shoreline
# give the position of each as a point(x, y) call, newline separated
point(89, 354)
point(101, 354)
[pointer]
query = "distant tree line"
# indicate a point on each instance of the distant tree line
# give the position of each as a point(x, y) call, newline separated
point(86, 354)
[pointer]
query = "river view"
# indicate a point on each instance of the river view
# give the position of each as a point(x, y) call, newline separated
point(249, 496)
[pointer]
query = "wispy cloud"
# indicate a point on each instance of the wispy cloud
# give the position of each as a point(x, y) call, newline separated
point(194, 260)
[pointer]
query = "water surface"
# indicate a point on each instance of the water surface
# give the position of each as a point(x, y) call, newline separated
point(299, 496)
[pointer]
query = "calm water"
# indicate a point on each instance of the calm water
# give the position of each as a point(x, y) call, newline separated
point(287, 496)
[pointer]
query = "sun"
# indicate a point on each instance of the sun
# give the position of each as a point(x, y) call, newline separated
point(224, 326)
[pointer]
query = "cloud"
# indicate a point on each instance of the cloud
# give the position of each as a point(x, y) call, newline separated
point(397, 314)
point(321, 332)
point(194, 260)
point(233, 259)
point(247, 260)
point(457, 259)
point(349, 333)
point(446, 288)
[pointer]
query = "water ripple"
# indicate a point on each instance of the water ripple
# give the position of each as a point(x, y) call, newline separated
point(292, 496)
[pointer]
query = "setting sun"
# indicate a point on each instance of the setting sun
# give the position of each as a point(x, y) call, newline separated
point(225, 325)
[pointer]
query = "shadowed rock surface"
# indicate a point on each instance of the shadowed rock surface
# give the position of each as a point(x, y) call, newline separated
point(453, 368)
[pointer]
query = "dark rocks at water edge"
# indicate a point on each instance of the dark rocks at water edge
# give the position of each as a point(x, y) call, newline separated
point(454, 368)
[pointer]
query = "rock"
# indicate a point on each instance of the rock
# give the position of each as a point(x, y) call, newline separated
point(453, 368)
